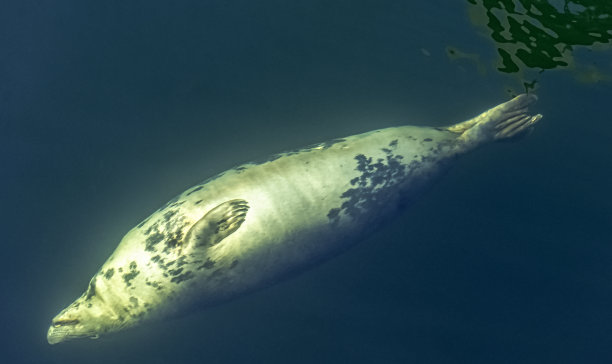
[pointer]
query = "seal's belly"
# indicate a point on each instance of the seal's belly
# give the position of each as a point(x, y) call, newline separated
point(304, 206)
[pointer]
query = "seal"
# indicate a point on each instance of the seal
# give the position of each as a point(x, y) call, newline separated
point(262, 222)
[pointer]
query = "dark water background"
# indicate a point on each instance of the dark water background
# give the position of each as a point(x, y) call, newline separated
point(108, 109)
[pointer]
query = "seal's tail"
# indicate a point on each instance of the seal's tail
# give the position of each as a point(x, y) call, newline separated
point(508, 120)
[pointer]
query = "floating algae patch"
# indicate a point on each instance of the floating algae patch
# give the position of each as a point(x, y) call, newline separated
point(532, 36)
point(455, 54)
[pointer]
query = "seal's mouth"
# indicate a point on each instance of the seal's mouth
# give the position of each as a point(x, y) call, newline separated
point(53, 338)
point(58, 334)
point(59, 323)
point(67, 329)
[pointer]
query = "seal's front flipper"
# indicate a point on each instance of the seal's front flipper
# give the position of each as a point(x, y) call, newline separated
point(217, 224)
point(504, 121)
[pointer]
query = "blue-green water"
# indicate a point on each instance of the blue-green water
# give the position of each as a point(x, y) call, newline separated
point(108, 110)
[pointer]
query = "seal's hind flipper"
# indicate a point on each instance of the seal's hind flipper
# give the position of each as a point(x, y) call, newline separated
point(217, 224)
point(511, 118)
point(504, 121)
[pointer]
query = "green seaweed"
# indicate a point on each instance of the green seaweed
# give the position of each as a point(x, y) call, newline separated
point(538, 35)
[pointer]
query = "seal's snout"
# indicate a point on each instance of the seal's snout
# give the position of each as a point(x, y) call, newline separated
point(53, 336)
point(63, 327)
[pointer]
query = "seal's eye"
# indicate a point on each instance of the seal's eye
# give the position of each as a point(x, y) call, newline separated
point(59, 323)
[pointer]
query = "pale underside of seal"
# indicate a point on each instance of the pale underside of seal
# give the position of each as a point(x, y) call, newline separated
point(262, 222)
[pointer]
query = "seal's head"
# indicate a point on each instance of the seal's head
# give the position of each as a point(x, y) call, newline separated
point(87, 317)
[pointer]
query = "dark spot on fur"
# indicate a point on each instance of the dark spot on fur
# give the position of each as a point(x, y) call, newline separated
point(427, 139)
point(175, 272)
point(372, 187)
point(128, 277)
point(234, 263)
point(153, 284)
point(381, 182)
point(153, 240)
point(182, 277)
point(91, 291)
point(151, 228)
point(134, 301)
point(195, 190)
point(208, 264)
point(109, 273)
point(168, 215)
point(161, 263)
point(198, 202)
point(168, 230)
point(333, 213)
point(181, 261)
point(172, 242)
